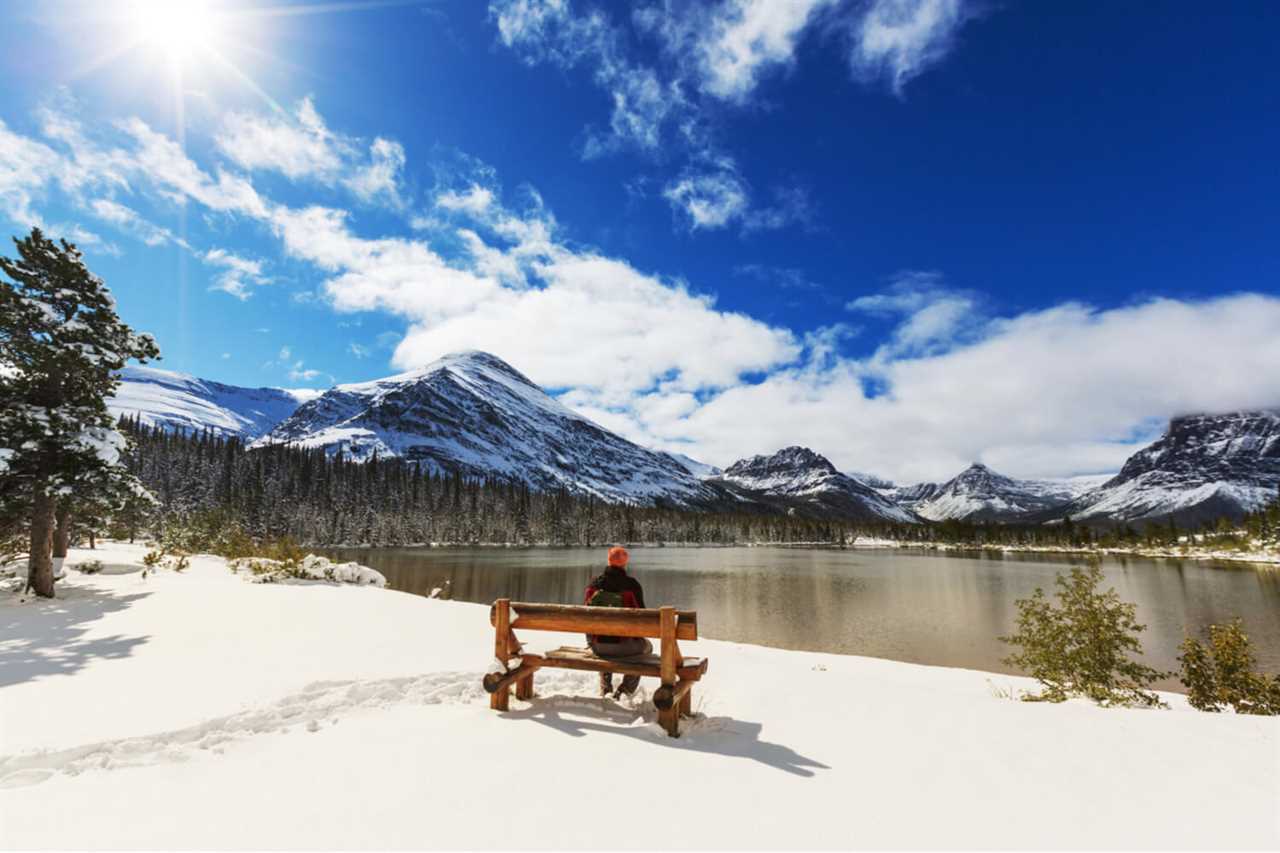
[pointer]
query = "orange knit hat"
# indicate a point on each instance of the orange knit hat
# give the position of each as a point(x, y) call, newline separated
point(618, 556)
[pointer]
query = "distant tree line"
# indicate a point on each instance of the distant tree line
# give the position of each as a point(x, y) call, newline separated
point(209, 483)
point(205, 481)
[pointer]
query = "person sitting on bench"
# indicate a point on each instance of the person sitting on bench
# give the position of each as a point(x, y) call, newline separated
point(615, 588)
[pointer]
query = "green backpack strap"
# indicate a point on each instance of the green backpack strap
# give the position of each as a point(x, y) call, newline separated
point(604, 598)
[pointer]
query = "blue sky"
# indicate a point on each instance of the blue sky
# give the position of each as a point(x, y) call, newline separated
point(907, 233)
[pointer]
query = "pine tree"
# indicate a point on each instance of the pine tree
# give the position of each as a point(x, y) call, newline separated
point(61, 345)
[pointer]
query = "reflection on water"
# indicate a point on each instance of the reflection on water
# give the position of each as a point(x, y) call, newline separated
point(922, 607)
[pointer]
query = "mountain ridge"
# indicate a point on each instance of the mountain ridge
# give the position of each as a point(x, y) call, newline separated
point(473, 413)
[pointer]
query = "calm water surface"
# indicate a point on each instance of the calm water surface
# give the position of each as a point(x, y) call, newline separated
point(922, 607)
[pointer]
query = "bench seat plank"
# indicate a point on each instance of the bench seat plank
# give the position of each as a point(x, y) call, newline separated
point(571, 657)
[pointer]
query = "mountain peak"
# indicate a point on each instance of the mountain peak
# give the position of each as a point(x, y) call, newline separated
point(808, 479)
point(794, 458)
point(1203, 467)
point(472, 413)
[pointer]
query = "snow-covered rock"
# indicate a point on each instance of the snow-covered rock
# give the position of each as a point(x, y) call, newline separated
point(474, 414)
point(310, 568)
point(179, 401)
point(808, 482)
point(1204, 467)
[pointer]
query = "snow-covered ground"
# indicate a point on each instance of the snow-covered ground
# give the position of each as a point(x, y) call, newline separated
point(1256, 552)
point(200, 710)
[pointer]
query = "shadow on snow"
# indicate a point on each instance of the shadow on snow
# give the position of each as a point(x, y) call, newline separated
point(40, 638)
point(718, 735)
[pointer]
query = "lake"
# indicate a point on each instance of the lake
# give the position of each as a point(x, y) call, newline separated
point(919, 606)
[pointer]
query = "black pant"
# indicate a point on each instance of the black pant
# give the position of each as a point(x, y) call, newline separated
point(623, 647)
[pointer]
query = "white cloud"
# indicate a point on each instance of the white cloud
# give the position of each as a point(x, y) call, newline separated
point(719, 50)
point(298, 373)
point(897, 40)
point(167, 166)
point(380, 177)
point(301, 146)
point(713, 195)
point(239, 275)
point(358, 350)
point(1065, 389)
point(1059, 391)
point(549, 31)
point(729, 46)
point(129, 220)
point(475, 201)
point(708, 199)
point(26, 168)
point(932, 316)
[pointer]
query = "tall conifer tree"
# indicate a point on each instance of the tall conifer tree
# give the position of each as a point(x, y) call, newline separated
point(61, 347)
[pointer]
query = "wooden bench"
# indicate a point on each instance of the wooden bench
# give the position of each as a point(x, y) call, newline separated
point(673, 698)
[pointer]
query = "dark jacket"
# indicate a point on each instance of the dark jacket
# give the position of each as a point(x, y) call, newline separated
point(617, 580)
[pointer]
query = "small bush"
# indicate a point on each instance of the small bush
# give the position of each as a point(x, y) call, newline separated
point(152, 559)
point(1081, 646)
point(92, 567)
point(1222, 674)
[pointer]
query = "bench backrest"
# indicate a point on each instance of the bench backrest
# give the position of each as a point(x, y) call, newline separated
point(607, 621)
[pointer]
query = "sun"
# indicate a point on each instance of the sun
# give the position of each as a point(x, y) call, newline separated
point(181, 29)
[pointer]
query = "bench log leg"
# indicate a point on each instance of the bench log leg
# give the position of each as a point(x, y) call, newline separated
point(500, 699)
point(524, 688)
point(686, 704)
point(668, 718)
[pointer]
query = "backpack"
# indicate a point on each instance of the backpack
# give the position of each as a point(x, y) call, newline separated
point(605, 598)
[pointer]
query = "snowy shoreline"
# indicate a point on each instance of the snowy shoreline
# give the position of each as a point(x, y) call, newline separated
point(197, 709)
point(1256, 558)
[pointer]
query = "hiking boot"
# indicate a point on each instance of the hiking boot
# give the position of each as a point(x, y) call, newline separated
point(629, 685)
point(606, 683)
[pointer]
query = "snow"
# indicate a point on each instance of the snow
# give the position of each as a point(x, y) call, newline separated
point(309, 568)
point(1138, 498)
point(701, 470)
point(798, 472)
point(473, 413)
point(177, 400)
point(196, 710)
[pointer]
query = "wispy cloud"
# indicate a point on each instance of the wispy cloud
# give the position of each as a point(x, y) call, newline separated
point(300, 146)
point(238, 275)
point(897, 40)
point(664, 103)
point(788, 278)
point(930, 315)
point(712, 195)
point(129, 220)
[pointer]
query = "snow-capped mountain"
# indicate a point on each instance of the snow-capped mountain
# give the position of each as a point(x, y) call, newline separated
point(179, 401)
point(1203, 467)
point(799, 478)
point(873, 480)
point(473, 413)
point(980, 494)
point(698, 469)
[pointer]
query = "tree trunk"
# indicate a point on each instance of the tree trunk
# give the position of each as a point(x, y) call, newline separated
point(93, 539)
point(62, 531)
point(40, 560)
